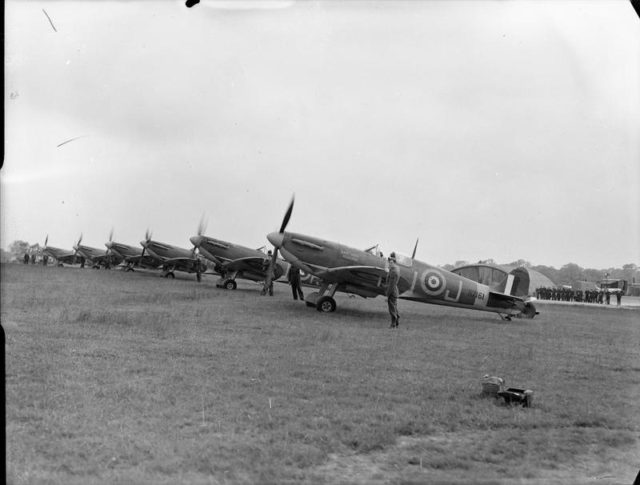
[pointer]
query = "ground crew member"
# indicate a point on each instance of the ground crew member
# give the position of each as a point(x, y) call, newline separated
point(265, 266)
point(619, 297)
point(392, 291)
point(294, 280)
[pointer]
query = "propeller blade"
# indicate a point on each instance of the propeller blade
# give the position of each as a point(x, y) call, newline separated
point(415, 248)
point(147, 239)
point(270, 270)
point(202, 226)
point(287, 216)
point(46, 240)
point(111, 235)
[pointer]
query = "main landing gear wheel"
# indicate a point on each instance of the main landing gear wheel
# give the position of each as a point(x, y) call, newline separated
point(326, 304)
point(170, 275)
point(230, 285)
point(128, 269)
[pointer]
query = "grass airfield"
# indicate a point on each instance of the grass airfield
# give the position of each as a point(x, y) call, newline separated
point(115, 377)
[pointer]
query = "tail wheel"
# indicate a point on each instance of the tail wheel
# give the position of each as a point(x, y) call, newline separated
point(170, 275)
point(230, 285)
point(326, 304)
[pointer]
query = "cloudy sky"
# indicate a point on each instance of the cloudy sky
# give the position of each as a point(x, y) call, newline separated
point(499, 129)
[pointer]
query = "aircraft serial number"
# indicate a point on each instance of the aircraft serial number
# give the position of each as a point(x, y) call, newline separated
point(477, 295)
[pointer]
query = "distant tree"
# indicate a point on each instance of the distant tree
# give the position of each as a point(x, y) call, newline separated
point(593, 275)
point(520, 262)
point(570, 273)
point(631, 273)
point(459, 263)
point(18, 248)
point(449, 267)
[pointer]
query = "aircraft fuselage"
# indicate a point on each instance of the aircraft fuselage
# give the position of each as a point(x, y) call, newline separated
point(355, 271)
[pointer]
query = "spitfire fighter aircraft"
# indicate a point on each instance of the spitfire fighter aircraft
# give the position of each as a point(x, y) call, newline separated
point(97, 257)
point(62, 256)
point(173, 258)
point(234, 261)
point(131, 256)
point(350, 270)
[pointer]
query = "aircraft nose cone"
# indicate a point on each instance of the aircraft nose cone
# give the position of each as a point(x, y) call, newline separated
point(276, 239)
point(196, 240)
point(143, 244)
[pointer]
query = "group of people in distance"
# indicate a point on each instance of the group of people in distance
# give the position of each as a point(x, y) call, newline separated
point(601, 296)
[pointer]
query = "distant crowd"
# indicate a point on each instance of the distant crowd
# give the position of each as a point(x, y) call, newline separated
point(587, 296)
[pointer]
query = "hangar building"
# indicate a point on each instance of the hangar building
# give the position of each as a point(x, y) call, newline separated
point(527, 280)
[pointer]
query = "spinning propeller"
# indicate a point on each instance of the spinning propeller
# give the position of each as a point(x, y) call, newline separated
point(285, 221)
point(202, 227)
point(109, 243)
point(76, 247)
point(147, 240)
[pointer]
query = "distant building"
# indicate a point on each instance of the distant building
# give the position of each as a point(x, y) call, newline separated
point(526, 281)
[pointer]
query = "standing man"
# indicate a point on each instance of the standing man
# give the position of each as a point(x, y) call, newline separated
point(392, 291)
point(619, 297)
point(266, 266)
point(294, 281)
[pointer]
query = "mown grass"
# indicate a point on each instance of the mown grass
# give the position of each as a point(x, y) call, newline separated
point(131, 378)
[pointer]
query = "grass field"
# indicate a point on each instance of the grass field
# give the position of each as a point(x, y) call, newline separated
point(116, 377)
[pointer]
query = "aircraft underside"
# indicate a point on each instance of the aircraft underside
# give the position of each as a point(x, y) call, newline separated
point(324, 302)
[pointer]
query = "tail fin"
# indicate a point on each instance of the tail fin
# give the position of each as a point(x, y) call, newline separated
point(516, 283)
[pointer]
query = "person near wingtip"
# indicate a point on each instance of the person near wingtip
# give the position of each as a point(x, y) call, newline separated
point(392, 291)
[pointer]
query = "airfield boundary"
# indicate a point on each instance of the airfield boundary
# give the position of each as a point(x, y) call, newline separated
point(130, 378)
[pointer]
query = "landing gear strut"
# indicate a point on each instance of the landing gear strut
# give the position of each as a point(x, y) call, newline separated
point(323, 299)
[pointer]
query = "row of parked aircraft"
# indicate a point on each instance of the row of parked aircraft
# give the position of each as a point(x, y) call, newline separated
point(330, 266)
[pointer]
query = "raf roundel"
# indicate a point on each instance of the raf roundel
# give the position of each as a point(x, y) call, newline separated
point(433, 282)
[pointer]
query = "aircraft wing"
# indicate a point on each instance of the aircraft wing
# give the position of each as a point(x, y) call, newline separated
point(251, 263)
point(66, 258)
point(107, 258)
point(358, 275)
point(146, 261)
point(179, 261)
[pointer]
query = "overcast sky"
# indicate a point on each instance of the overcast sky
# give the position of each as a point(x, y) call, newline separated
point(501, 130)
